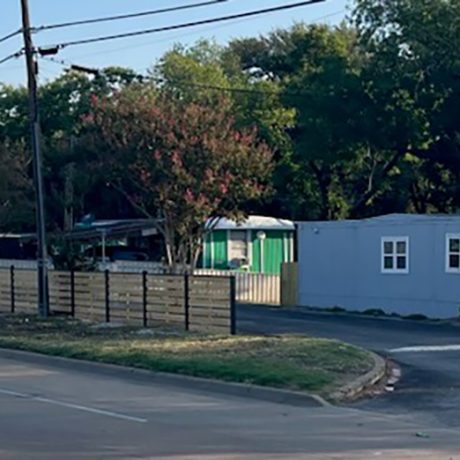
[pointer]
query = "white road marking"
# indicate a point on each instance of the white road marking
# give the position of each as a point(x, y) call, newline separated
point(13, 393)
point(91, 410)
point(426, 348)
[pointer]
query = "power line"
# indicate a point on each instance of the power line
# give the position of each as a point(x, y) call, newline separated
point(191, 33)
point(128, 16)
point(223, 89)
point(72, 66)
point(231, 89)
point(12, 56)
point(11, 35)
point(186, 25)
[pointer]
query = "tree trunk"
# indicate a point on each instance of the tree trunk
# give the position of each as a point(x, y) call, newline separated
point(323, 177)
point(419, 202)
point(359, 206)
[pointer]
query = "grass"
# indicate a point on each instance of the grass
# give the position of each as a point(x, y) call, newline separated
point(293, 362)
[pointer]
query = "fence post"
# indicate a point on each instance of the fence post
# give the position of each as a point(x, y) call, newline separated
point(144, 298)
point(72, 293)
point(232, 305)
point(13, 301)
point(187, 301)
point(107, 296)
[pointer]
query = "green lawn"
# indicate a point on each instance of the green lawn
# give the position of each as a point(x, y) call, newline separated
point(300, 363)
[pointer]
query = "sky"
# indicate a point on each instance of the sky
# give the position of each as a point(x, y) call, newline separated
point(140, 53)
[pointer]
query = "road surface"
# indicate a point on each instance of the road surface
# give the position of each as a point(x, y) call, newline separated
point(429, 355)
point(50, 412)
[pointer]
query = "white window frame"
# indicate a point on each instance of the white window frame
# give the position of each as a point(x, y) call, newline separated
point(394, 270)
point(451, 236)
point(248, 242)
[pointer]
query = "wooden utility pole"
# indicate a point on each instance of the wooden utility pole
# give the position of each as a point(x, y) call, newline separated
point(32, 69)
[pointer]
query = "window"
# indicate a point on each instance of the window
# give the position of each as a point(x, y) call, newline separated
point(238, 246)
point(453, 253)
point(395, 254)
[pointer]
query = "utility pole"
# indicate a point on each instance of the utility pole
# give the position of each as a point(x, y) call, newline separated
point(32, 70)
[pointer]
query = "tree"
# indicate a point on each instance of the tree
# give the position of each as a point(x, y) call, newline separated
point(16, 191)
point(181, 163)
point(70, 191)
point(205, 73)
point(319, 71)
point(414, 66)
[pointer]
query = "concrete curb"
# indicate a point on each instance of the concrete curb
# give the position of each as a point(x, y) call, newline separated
point(200, 385)
point(353, 389)
point(455, 321)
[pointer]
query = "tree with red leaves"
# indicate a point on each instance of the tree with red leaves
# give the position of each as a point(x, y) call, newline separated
point(183, 164)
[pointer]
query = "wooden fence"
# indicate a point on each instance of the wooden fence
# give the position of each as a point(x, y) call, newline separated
point(289, 284)
point(197, 303)
point(251, 288)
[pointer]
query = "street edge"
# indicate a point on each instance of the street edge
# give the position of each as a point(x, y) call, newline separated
point(454, 321)
point(358, 386)
point(198, 384)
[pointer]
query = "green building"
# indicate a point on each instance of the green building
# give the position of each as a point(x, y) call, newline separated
point(259, 244)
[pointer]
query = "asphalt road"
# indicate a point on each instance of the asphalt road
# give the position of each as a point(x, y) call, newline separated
point(52, 412)
point(428, 354)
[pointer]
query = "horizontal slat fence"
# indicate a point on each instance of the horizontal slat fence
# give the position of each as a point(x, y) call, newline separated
point(25, 291)
point(197, 303)
point(6, 298)
point(61, 293)
point(209, 303)
point(166, 299)
point(126, 298)
point(90, 296)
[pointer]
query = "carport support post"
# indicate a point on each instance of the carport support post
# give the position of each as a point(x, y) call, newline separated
point(107, 296)
point(13, 301)
point(233, 305)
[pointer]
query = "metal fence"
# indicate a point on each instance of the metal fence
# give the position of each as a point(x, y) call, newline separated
point(198, 303)
point(253, 288)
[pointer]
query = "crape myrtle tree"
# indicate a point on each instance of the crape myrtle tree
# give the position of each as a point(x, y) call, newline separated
point(181, 163)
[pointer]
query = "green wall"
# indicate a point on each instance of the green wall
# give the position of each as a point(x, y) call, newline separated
point(206, 256)
point(277, 248)
point(255, 267)
point(220, 249)
point(273, 252)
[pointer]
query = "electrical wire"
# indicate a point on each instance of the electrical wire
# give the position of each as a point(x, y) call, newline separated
point(12, 56)
point(185, 25)
point(230, 89)
point(127, 16)
point(190, 33)
point(224, 89)
point(11, 35)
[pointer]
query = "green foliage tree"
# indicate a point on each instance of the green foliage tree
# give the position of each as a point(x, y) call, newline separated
point(414, 64)
point(16, 192)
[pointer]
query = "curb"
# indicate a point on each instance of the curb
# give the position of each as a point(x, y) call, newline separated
point(353, 389)
point(198, 384)
point(454, 321)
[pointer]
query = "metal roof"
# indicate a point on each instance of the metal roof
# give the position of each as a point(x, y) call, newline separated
point(256, 223)
point(113, 229)
point(394, 219)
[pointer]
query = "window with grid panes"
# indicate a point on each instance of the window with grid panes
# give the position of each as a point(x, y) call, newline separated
point(453, 253)
point(395, 254)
